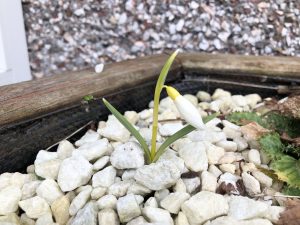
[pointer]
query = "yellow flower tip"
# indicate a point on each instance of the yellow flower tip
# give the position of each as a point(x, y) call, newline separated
point(172, 92)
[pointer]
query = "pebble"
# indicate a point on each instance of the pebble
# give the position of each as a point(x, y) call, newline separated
point(251, 184)
point(108, 216)
point(80, 200)
point(128, 208)
point(208, 182)
point(264, 180)
point(214, 153)
point(204, 206)
point(169, 129)
point(132, 116)
point(98, 192)
point(89, 136)
point(24, 220)
point(127, 156)
point(173, 201)
point(60, 209)
point(100, 163)
point(35, 207)
point(10, 219)
point(65, 149)
point(181, 219)
point(86, 215)
point(158, 176)
point(120, 188)
point(194, 156)
point(107, 202)
point(203, 96)
point(228, 146)
point(105, 177)
point(99, 68)
point(49, 190)
point(9, 199)
point(47, 164)
point(254, 156)
point(73, 173)
point(157, 215)
point(191, 184)
point(151, 202)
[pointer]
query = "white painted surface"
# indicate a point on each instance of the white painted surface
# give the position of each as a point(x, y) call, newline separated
point(14, 63)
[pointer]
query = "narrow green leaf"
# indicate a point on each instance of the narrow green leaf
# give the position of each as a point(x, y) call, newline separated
point(158, 88)
point(179, 134)
point(129, 127)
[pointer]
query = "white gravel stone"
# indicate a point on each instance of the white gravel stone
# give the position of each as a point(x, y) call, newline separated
point(49, 190)
point(239, 100)
point(207, 135)
point(161, 194)
point(132, 116)
point(65, 149)
point(181, 219)
point(265, 180)
point(251, 184)
point(228, 146)
point(224, 220)
point(120, 188)
point(80, 200)
point(157, 215)
point(24, 220)
point(194, 156)
point(179, 186)
point(254, 156)
point(151, 202)
point(105, 177)
point(157, 176)
point(10, 219)
point(99, 68)
point(89, 136)
point(100, 163)
point(128, 174)
point(35, 207)
point(241, 143)
point(204, 206)
point(60, 210)
point(231, 133)
point(228, 167)
point(9, 199)
point(203, 96)
point(127, 156)
point(47, 164)
point(273, 213)
point(220, 93)
point(30, 169)
point(191, 184)
point(214, 153)
point(170, 155)
point(73, 173)
point(98, 192)
point(208, 182)
point(108, 217)
point(138, 221)
point(107, 202)
point(93, 150)
point(180, 143)
point(138, 189)
point(114, 130)
point(29, 189)
point(242, 208)
point(169, 129)
point(45, 219)
point(256, 222)
point(86, 215)
point(214, 170)
point(253, 99)
point(128, 208)
point(173, 201)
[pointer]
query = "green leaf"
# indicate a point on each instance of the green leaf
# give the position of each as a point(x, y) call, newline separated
point(158, 88)
point(287, 169)
point(282, 123)
point(88, 98)
point(179, 134)
point(271, 145)
point(292, 191)
point(129, 127)
point(238, 117)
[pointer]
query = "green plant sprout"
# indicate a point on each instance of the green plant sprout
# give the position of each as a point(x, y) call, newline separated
point(185, 108)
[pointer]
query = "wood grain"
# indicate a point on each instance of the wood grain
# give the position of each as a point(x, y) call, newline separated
point(239, 64)
point(29, 99)
point(35, 98)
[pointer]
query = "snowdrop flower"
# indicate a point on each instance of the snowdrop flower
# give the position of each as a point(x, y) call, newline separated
point(186, 109)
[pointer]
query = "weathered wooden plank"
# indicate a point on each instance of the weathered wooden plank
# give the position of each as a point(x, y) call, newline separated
point(239, 64)
point(29, 99)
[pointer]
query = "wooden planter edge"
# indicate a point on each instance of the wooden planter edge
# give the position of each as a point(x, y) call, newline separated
point(27, 100)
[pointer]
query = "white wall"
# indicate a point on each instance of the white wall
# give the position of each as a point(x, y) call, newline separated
point(14, 63)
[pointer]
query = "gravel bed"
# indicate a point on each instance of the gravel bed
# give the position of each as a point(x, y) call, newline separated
point(209, 177)
point(71, 35)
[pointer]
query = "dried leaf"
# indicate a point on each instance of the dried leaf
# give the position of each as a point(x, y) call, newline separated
point(291, 106)
point(291, 215)
point(253, 131)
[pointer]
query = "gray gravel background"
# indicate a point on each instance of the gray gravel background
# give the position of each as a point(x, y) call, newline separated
point(65, 35)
